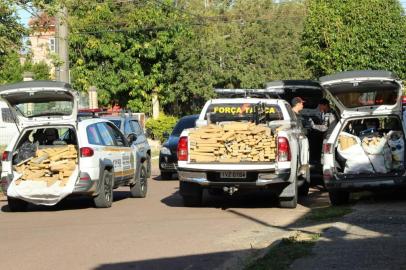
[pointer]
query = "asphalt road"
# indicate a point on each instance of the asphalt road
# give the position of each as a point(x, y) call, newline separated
point(152, 233)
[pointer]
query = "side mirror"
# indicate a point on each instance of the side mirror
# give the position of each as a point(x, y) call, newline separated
point(201, 123)
point(166, 135)
point(131, 138)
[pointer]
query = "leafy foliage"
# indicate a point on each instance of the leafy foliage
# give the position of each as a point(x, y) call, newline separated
point(157, 128)
point(122, 49)
point(10, 42)
point(243, 45)
point(355, 34)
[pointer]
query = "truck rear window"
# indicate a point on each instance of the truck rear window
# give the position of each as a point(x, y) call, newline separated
point(243, 112)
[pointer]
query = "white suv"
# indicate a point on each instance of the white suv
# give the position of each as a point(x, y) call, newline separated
point(55, 155)
point(366, 149)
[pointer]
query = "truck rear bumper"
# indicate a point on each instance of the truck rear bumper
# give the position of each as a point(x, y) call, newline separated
point(264, 179)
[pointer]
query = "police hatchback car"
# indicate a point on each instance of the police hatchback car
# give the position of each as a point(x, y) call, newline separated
point(46, 116)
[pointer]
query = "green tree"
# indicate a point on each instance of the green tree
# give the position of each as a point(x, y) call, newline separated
point(354, 34)
point(10, 68)
point(11, 33)
point(243, 44)
point(122, 49)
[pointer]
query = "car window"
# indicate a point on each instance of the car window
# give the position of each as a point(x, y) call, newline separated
point(118, 137)
point(225, 112)
point(136, 127)
point(105, 134)
point(93, 135)
point(184, 124)
point(116, 122)
point(128, 128)
point(6, 115)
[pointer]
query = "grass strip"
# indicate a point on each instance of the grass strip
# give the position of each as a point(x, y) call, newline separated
point(282, 255)
point(328, 213)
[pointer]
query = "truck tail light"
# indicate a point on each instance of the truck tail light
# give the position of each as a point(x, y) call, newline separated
point(327, 148)
point(86, 152)
point(283, 149)
point(5, 156)
point(183, 149)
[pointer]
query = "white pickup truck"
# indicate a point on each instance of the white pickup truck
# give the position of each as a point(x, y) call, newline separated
point(287, 175)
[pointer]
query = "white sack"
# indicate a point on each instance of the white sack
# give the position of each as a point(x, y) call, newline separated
point(397, 146)
point(37, 192)
point(357, 160)
point(379, 155)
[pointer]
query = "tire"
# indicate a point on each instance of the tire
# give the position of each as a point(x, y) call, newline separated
point(16, 205)
point(105, 197)
point(304, 189)
point(149, 171)
point(140, 188)
point(339, 197)
point(166, 175)
point(192, 194)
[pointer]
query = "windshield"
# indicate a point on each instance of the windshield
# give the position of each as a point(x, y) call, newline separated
point(45, 108)
point(251, 112)
point(183, 123)
point(366, 94)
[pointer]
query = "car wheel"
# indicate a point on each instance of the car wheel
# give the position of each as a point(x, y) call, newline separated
point(192, 194)
point(139, 189)
point(149, 171)
point(166, 175)
point(105, 197)
point(339, 197)
point(16, 205)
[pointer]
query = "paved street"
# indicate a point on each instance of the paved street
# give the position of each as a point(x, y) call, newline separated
point(373, 237)
point(152, 233)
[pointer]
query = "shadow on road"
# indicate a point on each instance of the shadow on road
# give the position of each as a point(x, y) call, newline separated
point(249, 199)
point(195, 262)
point(72, 203)
point(159, 178)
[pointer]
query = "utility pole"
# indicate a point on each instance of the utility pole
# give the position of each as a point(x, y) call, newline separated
point(62, 74)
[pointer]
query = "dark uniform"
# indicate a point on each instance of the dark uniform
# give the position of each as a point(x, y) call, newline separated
point(328, 122)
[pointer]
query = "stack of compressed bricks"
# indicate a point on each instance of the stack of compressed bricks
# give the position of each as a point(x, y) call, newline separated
point(232, 143)
point(50, 164)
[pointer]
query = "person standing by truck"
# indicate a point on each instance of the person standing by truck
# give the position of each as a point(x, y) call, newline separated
point(327, 117)
point(297, 105)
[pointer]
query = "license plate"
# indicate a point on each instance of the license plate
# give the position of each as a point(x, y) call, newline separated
point(233, 174)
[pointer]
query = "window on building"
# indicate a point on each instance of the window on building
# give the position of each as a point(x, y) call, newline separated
point(52, 44)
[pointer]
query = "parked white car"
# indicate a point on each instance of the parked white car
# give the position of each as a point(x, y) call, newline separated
point(366, 148)
point(47, 118)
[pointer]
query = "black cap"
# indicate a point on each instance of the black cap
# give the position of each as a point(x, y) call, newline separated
point(297, 100)
point(324, 101)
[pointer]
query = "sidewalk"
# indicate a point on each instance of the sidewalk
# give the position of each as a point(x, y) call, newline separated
point(372, 237)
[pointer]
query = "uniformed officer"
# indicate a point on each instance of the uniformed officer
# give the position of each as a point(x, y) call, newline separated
point(327, 117)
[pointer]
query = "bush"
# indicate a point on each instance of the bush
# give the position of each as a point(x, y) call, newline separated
point(157, 128)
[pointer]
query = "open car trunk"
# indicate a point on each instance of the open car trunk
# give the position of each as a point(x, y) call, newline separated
point(371, 147)
point(45, 165)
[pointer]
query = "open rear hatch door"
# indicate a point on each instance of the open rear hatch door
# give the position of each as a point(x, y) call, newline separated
point(363, 93)
point(41, 102)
